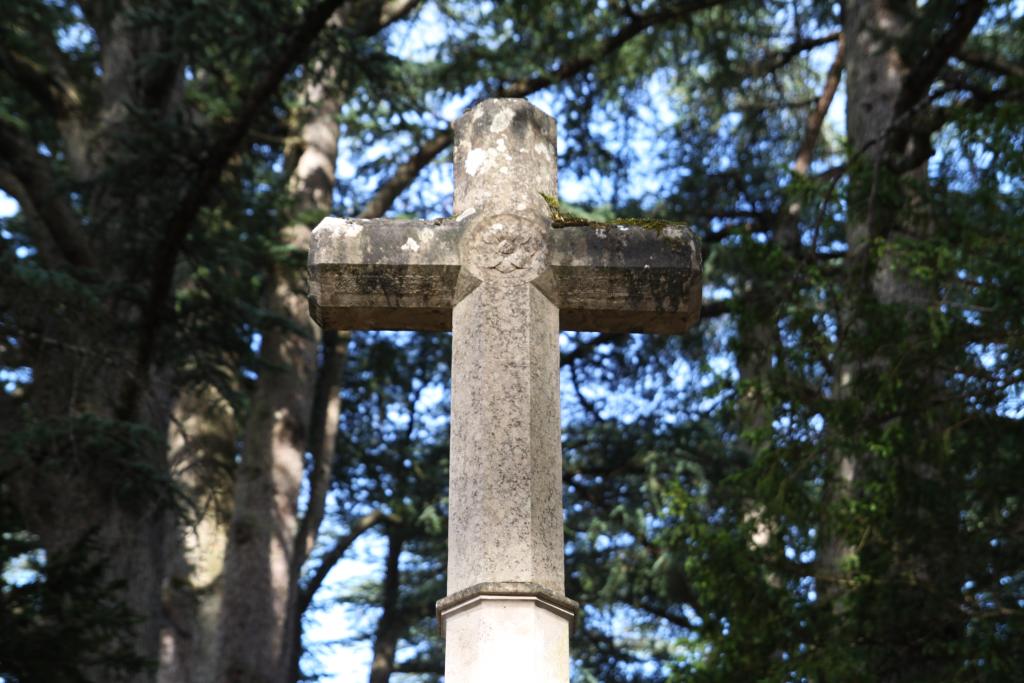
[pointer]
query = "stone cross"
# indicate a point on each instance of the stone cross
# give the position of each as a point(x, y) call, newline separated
point(504, 281)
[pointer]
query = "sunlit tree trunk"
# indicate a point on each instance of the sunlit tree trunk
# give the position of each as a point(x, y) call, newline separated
point(263, 552)
point(201, 449)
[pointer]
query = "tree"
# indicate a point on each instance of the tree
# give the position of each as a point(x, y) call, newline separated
point(123, 121)
point(817, 483)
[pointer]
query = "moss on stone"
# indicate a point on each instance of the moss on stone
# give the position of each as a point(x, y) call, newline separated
point(564, 219)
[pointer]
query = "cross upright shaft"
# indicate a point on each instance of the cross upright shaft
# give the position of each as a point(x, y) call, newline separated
point(505, 437)
point(498, 275)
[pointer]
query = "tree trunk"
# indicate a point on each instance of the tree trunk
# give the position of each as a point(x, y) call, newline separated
point(265, 520)
point(201, 452)
point(875, 72)
point(889, 76)
point(269, 541)
point(759, 342)
point(323, 438)
point(390, 625)
point(264, 553)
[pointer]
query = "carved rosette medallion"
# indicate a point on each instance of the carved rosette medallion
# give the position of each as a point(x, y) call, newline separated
point(505, 248)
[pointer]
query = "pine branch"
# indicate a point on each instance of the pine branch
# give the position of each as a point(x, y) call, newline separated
point(224, 145)
point(777, 60)
point(991, 62)
point(408, 171)
point(637, 25)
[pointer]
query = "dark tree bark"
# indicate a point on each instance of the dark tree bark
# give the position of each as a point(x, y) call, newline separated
point(390, 626)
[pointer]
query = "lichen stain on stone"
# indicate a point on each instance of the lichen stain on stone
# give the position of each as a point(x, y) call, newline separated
point(475, 161)
point(426, 235)
point(339, 226)
point(348, 229)
point(501, 120)
point(411, 245)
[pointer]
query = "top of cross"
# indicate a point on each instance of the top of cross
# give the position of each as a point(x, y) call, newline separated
point(406, 274)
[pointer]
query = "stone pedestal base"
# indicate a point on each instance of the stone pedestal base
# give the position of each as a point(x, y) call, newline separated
point(506, 633)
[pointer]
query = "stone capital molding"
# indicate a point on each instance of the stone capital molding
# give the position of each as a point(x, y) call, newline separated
point(509, 591)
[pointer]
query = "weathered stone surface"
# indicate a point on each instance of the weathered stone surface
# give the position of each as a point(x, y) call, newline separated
point(627, 278)
point(504, 281)
point(504, 159)
point(505, 506)
point(383, 274)
point(544, 598)
point(505, 501)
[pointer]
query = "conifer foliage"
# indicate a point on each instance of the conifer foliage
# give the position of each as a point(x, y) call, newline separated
point(820, 482)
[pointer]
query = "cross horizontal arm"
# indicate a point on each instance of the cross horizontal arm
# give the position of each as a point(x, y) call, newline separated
point(381, 274)
point(394, 274)
point(627, 278)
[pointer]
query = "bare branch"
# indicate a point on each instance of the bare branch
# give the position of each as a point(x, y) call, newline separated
point(38, 187)
point(776, 60)
point(786, 234)
point(48, 84)
point(714, 309)
point(405, 174)
point(981, 96)
point(934, 58)
point(812, 130)
point(331, 557)
point(322, 437)
point(662, 613)
point(418, 666)
point(585, 349)
point(394, 10)
point(919, 80)
point(45, 76)
point(588, 406)
point(389, 626)
point(40, 236)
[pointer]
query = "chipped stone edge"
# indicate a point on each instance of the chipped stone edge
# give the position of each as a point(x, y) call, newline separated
point(477, 594)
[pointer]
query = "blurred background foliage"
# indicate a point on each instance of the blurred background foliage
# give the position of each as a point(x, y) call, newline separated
point(819, 482)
